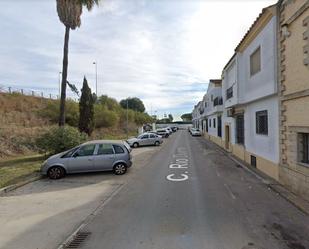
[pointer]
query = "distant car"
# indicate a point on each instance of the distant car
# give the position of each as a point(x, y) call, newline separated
point(148, 138)
point(195, 132)
point(169, 129)
point(99, 155)
point(163, 132)
point(174, 128)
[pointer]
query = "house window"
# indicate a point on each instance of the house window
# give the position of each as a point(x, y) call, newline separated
point(229, 93)
point(240, 134)
point(218, 101)
point(209, 122)
point(214, 123)
point(303, 147)
point(262, 122)
point(255, 61)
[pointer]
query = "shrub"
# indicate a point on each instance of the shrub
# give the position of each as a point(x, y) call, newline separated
point(59, 139)
point(51, 112)
point(104, 117)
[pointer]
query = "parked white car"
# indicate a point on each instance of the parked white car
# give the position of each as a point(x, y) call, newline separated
point(163, 132)
point(195, 132)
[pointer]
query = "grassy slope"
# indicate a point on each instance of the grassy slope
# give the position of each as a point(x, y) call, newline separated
point(20, 124)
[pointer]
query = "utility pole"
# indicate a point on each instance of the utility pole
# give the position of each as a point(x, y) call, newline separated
point(96, 77)
point(60, 84)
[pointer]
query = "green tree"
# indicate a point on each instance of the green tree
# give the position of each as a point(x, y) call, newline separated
point(170, 117)
point(69, 12)
point(110, 103)
point(187, 117)
point(86, 109)
point(133, 103)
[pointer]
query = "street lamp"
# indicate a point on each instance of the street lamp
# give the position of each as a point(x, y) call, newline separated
point(96, 77)
point(127, 119)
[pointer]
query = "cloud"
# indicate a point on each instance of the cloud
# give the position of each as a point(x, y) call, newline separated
point(164, 52)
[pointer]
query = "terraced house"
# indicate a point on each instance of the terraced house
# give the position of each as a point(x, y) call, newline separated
point(250, 90)
point(294, 95)
point(265, 92)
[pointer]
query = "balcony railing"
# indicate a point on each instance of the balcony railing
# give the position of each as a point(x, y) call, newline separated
point(229, 93)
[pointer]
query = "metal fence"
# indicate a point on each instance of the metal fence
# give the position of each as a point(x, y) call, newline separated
point(31, 92)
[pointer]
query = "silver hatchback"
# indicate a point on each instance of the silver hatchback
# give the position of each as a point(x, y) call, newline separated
point(99, 155)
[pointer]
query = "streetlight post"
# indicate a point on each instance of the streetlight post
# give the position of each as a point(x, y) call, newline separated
point(127, 129)
point(96, 77)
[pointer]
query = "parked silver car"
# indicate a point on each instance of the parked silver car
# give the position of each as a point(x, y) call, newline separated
point(145, 139)
point(99, 155)
point(163, 132)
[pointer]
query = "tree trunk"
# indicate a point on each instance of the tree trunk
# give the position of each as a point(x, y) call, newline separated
point(64, 76)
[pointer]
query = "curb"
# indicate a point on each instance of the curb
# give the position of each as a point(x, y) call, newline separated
point(89, 218)
point(18, 185)
point(289, 196)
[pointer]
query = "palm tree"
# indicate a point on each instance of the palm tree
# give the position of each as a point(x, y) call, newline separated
point(69, 12)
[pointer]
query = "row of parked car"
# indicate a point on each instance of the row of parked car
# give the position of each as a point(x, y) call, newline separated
point(101, 155)
point(151, 137)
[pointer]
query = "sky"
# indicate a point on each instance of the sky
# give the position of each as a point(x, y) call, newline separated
point(162, 51)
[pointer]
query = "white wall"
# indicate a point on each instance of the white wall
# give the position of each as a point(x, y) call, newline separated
point(262, 83)
point(211, 130)
point(230, 79)
point(266, 146)
point(231, 121)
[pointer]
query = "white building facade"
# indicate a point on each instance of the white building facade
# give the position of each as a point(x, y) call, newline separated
point(249, 115)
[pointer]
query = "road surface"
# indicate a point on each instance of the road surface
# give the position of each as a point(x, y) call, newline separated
point(192, 196)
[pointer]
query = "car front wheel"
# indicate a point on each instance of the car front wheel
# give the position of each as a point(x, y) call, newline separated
point(56, 172)
point(135, 145)
point(120, 169)
point(157, 143)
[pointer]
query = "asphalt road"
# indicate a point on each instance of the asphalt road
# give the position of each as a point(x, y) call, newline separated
point(191, 196)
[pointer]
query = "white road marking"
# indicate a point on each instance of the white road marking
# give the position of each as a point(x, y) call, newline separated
point(181, 163)
point(230, 191)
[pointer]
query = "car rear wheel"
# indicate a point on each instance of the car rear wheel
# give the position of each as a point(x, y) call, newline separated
point(120, 169)
point(166, 135)
point(135, 145)
point(56, 172)
point(157, 143)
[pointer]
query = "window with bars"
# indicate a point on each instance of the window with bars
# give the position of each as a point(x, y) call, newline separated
point(262, 122)
point(303, 147)
point(240, 129)
point(229, 93)
point(255, 61)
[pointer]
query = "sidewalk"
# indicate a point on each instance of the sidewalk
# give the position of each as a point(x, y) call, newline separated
point(42, 214)
point(297, 201)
